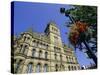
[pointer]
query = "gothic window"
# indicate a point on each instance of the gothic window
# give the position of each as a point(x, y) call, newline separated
point(46, 55)
point(29, 68)
point(45, 68)
point(33, 52)
point(38, 67)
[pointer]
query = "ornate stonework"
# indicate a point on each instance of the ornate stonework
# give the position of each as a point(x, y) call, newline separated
point(35, 52)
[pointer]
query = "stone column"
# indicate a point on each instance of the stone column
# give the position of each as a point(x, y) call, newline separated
point(15, 65)
point(42, 67)
point(34, 68)
point(20, 69)
point(49, 68)
point(24, 69)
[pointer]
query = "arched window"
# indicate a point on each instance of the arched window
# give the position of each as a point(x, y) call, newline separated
point(24, 48)
point(34, 43)
point(33, 52)
point(56, 67)
point(28, 38)
point(45, 68)
point(17, 66)
point(61, 57)
point(29, 68)
point(73, 59)
point(24, 38)
point(38, 67)
point(40, 54)
point(46, 46)
point(69, 68)
point(63, 67)
point(74, 67)
point(21, 46)
point(46, 55)
point(37, 43)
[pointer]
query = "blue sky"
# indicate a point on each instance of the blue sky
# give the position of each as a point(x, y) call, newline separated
point(37, 15)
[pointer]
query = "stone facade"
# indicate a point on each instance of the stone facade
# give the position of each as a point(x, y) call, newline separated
point(42, 52)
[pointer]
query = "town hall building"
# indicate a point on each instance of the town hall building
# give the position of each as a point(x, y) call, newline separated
point(42, 52)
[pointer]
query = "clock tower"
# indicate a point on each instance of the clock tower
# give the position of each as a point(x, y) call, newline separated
point(53, 33)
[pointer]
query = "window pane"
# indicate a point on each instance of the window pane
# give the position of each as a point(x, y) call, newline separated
point(33, 53)
point(29, 68)
point(45, 68)
point(46, 54)
point(38, 68)
point(16, 69)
